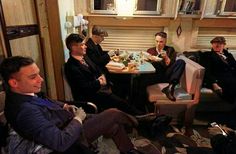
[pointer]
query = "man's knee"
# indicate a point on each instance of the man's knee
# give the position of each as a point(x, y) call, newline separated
point(113, 111)
point(180, 62)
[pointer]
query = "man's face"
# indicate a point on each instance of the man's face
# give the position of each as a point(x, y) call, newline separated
point(218, 47)
point(99, 38)
point(27, 80)
point(78, 49)
point(160, 42)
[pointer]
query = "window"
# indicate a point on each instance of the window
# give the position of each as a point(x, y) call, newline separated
point(189, 6)
point(228, 7)
point(147, 7)
point(140, 6)
point(103, 6)
point(130, 38)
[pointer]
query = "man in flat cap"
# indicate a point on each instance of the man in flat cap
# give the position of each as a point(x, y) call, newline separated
point(95, 51)
point(220, 67)
point(101, 57)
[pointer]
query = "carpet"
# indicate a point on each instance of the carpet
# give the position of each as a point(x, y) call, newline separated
point(170, 141)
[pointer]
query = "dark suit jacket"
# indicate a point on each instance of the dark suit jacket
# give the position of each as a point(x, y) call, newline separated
point(82, 79)
point(216, 69)
point(170, 51)
point(97, 55)
point(50, 126)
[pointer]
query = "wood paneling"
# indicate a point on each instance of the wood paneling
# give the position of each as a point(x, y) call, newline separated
point(46, 47)
point(28, 46)
point(215, 23)
point(19, 12)
point(56, 44)
point(139, 22)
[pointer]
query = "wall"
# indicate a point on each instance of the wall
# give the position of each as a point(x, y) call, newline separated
point(66, 8)
point(189, 38)
point(191, 26)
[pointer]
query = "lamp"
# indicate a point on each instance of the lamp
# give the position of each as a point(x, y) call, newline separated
point(125, 8)
point(73, 22)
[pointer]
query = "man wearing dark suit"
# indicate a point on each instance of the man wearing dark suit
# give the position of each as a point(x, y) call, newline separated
point(168, 69)
point(95, 51)
point(87, 81)
point(55, 125)
point(101, 58)
point(220, 67)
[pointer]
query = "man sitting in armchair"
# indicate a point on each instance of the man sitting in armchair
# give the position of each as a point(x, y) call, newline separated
point(168, 69)
point(220, 65)
point(55, 125)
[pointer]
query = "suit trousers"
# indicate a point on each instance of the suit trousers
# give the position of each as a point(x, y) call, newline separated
point(175, 71)
point(110, 123)
point(105, 100)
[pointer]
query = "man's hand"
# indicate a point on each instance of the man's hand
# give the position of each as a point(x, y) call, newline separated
point(165, 58)
point(70, 108)
point(102, 80)
point(217, 88)
point(216, 130)
point(111, 53)
point(80, 115)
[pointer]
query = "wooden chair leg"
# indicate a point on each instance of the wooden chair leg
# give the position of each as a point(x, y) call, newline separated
point(189, 115)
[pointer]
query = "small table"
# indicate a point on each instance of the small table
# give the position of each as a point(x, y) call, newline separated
point(144, 68)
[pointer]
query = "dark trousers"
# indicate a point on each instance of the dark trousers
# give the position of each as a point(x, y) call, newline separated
point(228, 85)
point(110, 123)
point(171, 74)
point(105, 100)
point(175, 71)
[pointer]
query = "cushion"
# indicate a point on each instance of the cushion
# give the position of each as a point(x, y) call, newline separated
point(154, 93)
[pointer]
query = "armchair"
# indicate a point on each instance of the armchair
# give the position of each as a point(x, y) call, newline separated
point(209, 100)
point(187, 94)
point(87, 106)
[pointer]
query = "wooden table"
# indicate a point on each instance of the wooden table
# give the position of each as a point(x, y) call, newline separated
point(144, 68)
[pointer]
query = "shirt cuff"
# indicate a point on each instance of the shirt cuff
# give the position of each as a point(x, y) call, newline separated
point(77, 118)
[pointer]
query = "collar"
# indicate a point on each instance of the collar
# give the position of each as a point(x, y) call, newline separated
point(79, 58)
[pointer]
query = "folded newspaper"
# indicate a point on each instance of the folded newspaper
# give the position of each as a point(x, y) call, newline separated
point(115, 65)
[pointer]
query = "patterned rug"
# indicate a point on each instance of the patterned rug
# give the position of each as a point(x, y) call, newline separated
point(170, 141)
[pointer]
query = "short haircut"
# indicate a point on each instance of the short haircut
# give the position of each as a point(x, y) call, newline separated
point(12, 65)
point(161, 34)
point(73, 38)
point(97, 30)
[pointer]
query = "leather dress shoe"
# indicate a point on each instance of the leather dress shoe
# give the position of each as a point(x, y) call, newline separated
point(169, 92)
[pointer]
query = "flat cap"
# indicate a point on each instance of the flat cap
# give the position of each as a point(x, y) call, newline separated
point(96, 30)
point(218, 39)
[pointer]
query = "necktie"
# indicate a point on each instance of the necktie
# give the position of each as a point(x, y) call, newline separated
point(223, 57)
point(84, 62)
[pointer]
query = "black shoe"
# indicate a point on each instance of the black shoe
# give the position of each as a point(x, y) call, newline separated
point(169, 92)
point(160, 124)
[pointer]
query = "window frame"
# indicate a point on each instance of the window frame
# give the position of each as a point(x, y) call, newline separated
point(92, 9)
point(222, 11)
point(157, 12)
